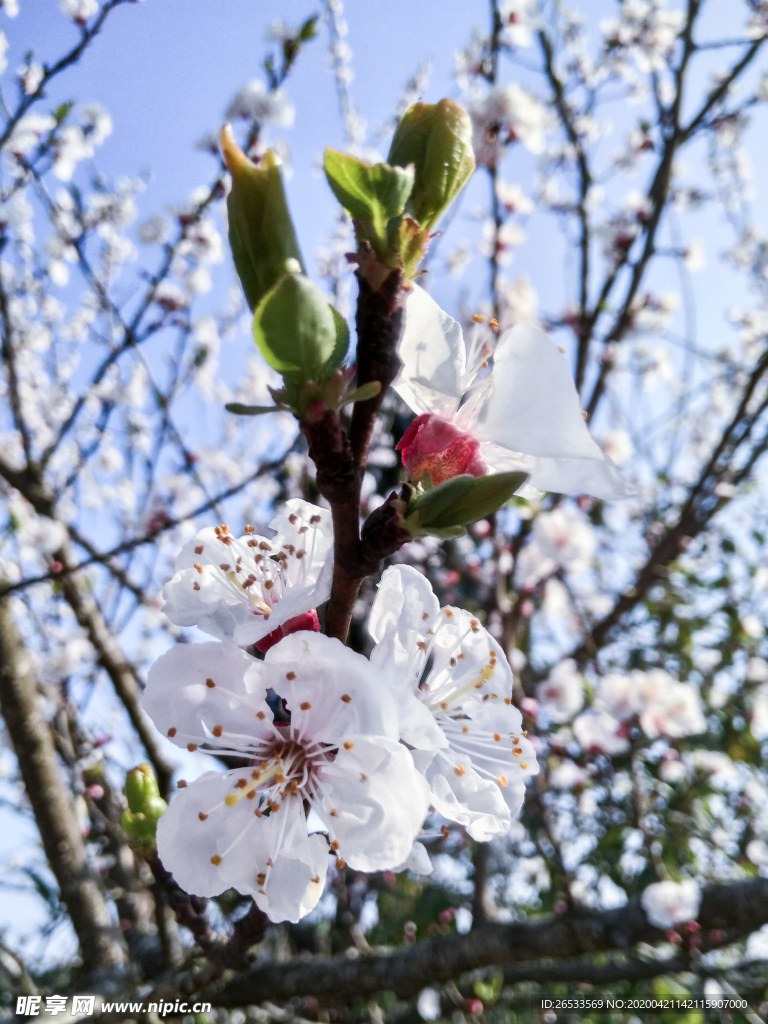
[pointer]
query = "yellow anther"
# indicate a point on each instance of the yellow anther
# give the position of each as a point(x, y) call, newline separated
point(216, 859)
point(503, 781)
point(524, 765)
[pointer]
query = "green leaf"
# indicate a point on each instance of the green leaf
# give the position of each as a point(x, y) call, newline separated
point(375, 194)
point(430, 504)
point(342, 344)
point(463, 499)
point(309, 29)
point(261, 232)
point(362, 394)
point(250, 410)
point(296, 330)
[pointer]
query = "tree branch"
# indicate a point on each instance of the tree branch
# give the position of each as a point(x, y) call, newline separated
point(100, 944)
point(730, 911)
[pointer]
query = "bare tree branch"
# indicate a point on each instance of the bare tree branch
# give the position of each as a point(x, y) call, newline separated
point(101, 946)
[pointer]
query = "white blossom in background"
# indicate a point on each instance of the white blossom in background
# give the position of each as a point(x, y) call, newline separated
point(669, 903)
point(562, 539)
point(618, 446)
point(254, 102)
point(759, 717)
point(523, 415)
point(78, 142)
point(513, 198)
point(519, 19)
point(428, 1004)
point(502, 115)
point(598, 732)
point(561, 695)
point(662, 705)
point(456, 669)
point(518, 303)
point(339, 755)
point(646, 30)
point(79, 10)
point(243, 589)
point(30, 76)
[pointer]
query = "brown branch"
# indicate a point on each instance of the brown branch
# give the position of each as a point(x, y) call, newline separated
point(74, 55)
point(120, 671)
point(728, 912)
point(23, 483)
point(341, 459)
point(699, 508)
point(101, 946)
point(585, 181)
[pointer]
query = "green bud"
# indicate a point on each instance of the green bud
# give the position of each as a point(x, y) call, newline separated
point(145, 805)
point(261, 231)
point(299, 334)
point(445, 510)
point(437, 140)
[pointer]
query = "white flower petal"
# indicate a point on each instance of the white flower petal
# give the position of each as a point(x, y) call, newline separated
point(186, 708)
point(417, 861)
point(404, 599)
point(460, 794)
point(534, 409)
point(379, 799)
point(291, 885)
point(343, 693)
point(186, 844)
point(431, 349)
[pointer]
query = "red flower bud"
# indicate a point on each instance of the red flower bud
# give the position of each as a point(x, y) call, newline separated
point(436, 446)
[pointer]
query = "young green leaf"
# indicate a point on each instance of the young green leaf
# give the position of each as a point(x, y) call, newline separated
point(368, 193)
point(296, 330)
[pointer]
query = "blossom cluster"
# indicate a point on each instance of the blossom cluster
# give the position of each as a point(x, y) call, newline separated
point(342, 756)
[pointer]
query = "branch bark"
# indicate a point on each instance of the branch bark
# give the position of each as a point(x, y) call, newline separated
point(101, 946)
point(728, 912)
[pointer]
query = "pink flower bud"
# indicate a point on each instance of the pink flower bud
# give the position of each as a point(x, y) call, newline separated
point(474, 1006)
point(306, 621)
point(674, 937)
point(436, 446)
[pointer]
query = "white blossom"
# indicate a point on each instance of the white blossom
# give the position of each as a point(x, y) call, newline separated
point(339, 755)
point(669, 903)
point(563, 539)
point(242, 589)
point(524, 415)
point(477, 769)
point(79, 10)
point(254, 102)
point(561, 695)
